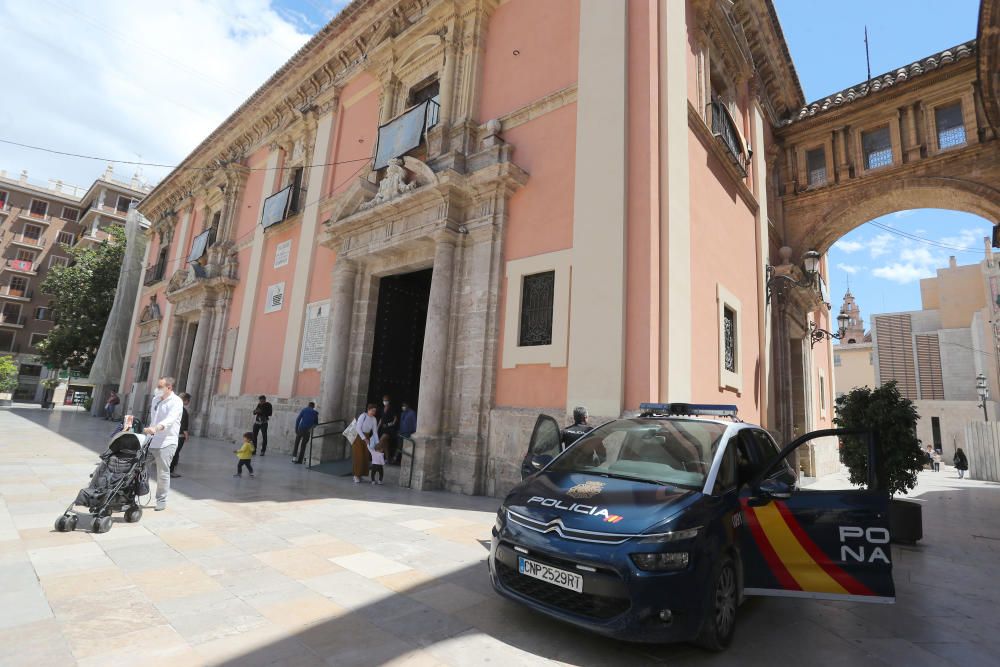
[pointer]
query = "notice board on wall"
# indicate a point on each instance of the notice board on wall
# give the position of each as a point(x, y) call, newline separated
point(314, 335)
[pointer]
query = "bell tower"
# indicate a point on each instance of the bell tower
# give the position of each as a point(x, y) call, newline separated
point(855, 332)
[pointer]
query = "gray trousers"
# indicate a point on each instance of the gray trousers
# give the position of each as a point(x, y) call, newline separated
point(163, 456)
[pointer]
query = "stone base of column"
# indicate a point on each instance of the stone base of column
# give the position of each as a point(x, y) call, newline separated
point(427, 473)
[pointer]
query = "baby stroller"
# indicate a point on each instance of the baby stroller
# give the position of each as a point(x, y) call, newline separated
point(116, 485)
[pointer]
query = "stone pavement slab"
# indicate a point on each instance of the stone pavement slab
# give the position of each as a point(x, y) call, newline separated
point(301, 568)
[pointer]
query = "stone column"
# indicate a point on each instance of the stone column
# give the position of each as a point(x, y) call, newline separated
point(173, 347)
point(433, 369)
point(338, 340)
point(196, 370)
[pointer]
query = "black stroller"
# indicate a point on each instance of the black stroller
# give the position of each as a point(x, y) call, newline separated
point(115, 486)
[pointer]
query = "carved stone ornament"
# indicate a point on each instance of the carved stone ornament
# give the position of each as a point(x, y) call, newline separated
point(180, 278)
point(392, 185)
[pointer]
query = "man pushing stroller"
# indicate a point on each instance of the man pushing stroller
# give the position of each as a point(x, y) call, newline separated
point(165, 427)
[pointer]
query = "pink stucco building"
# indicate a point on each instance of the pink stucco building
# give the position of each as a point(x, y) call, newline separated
point(494, 208)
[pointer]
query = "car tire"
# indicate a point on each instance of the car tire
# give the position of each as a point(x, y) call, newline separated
point(720, 614)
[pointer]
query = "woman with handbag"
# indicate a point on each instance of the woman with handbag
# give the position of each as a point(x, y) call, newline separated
point(366, 438)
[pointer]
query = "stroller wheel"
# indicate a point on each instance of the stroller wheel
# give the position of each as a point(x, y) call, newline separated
point(102, 525)
point(62, 524)
point(133, 515)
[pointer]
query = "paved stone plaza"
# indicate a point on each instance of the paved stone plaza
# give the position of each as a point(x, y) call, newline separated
point(300, 568)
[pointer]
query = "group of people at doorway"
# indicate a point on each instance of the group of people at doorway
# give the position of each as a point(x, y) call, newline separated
point(377, 439)
point(932, 459)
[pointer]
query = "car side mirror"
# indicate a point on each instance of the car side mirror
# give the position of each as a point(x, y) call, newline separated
point(539, 461)
point(771, 489)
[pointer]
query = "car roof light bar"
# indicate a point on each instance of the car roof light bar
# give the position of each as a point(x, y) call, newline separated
point(687, 410)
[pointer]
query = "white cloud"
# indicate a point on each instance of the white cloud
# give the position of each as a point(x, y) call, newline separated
point(882, 244)
point(849, 268)
point(967, 238)
point(848, 246)
point(902, 273)
point(120, 78)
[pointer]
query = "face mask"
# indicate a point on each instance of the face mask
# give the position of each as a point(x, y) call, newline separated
point(158, 393)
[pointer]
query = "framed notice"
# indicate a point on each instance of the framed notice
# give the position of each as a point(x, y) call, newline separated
point(275, 298)
point(314, 335)
point(282, 253)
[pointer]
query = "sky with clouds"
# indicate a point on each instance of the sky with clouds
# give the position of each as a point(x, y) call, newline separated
point(147, 81)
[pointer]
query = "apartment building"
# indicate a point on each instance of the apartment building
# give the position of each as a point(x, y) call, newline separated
point(38, 223)
point(936, 353)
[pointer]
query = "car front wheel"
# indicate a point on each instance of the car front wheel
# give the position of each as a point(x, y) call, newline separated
point(720, 616)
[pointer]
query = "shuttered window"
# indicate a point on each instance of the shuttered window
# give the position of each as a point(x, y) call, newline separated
point(895, 353)
point(929, 366)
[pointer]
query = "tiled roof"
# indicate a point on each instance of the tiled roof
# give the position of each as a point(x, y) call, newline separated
point(887, 80)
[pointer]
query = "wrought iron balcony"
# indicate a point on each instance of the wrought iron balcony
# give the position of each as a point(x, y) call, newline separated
point(726, 130)
point(22, 239)
point(12, 320)
point(155, 273)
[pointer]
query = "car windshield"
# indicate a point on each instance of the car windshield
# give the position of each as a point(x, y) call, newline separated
point(678, 452)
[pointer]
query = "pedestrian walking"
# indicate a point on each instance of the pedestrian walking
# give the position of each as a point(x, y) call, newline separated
point(378, 459)
point(244, 454)
point(167, 410)
point(304, 424)
point(936, 458)
point(109, 407)
point(961, 462)
point(367, 426)
point(929, 457)
point(182, 438)
point(261, 414)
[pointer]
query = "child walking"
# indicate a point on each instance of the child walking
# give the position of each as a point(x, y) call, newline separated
point(378, 458)
point(244, 454)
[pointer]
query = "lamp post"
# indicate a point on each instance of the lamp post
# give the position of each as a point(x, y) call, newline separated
point(984, 394)
point(810, 266)
point(816, 334)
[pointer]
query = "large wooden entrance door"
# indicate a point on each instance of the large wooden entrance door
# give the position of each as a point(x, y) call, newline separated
point(399, 337)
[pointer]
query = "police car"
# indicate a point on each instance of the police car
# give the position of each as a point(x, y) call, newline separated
point(654, 528)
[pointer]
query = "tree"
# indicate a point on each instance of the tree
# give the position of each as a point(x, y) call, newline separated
point(893, 420)
point(82, 295)
point(8, 375)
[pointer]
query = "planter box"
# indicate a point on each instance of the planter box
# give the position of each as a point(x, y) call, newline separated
point(6, 399)
point(906, 525)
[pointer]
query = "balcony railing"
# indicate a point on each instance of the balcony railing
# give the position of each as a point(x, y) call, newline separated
point(5, 207)
point(155, 273)
point(28, 240)
point(12, 320)
point(726, 131)
point(12, 293)
point(29, 215)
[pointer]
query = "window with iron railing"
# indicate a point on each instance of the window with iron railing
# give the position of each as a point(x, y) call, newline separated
point(877, 147)
point(724, 127)
point(537, 301)
point(950, 126)
point(816, 167)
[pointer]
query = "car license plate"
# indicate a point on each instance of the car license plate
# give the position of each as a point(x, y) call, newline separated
point(552, 575)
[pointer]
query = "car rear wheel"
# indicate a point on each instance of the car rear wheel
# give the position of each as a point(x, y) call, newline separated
point(720, 616)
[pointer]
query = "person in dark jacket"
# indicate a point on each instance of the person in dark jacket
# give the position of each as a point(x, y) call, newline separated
point(182, 438)
point(961, 462)
point(578, 428)
point(304, 423)
point(261, 414)
point(407, 427)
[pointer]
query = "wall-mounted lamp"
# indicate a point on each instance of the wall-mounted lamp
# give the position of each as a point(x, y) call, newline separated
point(816, 334)
point(810, 268)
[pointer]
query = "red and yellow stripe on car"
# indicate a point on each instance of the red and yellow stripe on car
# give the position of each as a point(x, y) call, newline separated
point(792, 556)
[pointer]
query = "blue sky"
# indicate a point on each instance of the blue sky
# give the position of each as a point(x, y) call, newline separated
point(826, 40)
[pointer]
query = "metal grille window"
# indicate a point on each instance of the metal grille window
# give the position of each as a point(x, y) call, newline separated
point(143, 373)
point(729, 338)
point(877, 147)
point(950, 128)
point(816, 167)
point(537, 294)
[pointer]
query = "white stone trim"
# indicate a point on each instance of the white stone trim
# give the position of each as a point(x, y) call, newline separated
point(824, 399)
point(728, 379)
point(554, 354)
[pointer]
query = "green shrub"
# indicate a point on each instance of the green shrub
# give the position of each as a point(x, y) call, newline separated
point(8, 375)
point(893, 420)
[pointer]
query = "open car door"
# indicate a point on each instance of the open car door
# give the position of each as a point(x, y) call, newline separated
point(545, 445)
point(816, 544)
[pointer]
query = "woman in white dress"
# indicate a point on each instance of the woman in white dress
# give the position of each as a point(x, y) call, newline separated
point(360, 449)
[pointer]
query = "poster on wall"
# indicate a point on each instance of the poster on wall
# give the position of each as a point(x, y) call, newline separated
point(282, 253)
point(314, 335)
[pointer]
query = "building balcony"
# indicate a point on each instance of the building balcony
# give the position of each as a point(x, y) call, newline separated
point(155, 273)
point(28, 242)
point(20, 266)
point(10, 294)
point(5, 209)
point(34, 217)
point(91, 236)
point(726, 131)
point(13, 321)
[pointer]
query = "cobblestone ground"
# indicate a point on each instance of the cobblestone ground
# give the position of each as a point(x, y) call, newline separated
point(300, 568)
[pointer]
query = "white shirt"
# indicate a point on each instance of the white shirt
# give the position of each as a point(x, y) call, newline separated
point(166, 413)
point(367, 424)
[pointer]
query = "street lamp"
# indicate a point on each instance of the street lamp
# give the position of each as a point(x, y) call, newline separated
point(816, 334)
point(984, 394)
point(810, 266)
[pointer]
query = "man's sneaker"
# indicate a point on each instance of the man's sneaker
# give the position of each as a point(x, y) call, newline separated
point(373, 481)
point(175, 475)
point(357, 480)
point(237, 475)
point(294, 460)
point(380, 482)
point(160, 507)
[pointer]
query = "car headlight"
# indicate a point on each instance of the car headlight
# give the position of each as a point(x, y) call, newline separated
point(498, 524)
point(663, 562)
point(674, 536)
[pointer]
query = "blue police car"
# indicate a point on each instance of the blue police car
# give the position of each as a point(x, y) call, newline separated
point(654, 528)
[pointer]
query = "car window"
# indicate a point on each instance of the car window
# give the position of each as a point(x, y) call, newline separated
point(769, 451)
point(727, 468)
point(673, 451)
